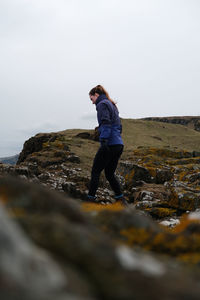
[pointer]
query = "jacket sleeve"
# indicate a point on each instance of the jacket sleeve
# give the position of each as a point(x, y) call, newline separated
point(105, 122)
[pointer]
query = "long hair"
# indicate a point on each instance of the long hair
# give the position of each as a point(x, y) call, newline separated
point(99, 89)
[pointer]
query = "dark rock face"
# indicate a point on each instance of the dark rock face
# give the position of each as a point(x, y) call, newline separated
point(34, 144)
point(167, 183)
point(194, 122)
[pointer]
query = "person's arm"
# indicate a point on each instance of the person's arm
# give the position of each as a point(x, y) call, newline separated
point(105, 122)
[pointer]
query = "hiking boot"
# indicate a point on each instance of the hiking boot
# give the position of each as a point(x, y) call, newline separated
point(90, 199)
point(122, 200)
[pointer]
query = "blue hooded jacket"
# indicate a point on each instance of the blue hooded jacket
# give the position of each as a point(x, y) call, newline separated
point(110, 127)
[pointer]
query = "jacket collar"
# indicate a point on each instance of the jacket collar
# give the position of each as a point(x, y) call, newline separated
point(100, 98)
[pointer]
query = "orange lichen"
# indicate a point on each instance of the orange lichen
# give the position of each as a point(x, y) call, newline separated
point(184, 223)
point(183, 199)
point(161, 212)
point(173, 200)
point(87, 206)
point(55, 144)
point(179, 244)
point(152, 171)
point(58, 144)
point(191, 258)
point(136, 236)
point(45, 145)
point(165, 153)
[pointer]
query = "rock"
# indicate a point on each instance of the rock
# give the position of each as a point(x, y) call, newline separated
point(145, 263)
point(21, 260)
point(193, 177)
point(34, 144)
point(170, 223)
point(84, 135)
point(133, 173)
point(74, 159)
point(32, 198)
point(163, 175)
point(97, 255)
point(184, 199)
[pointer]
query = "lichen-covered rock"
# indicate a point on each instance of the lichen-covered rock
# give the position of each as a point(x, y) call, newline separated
point(133, 229)
point(184, 199)
point(134, 173)
point(21, 260)
point(98, 253)
point(34, 144)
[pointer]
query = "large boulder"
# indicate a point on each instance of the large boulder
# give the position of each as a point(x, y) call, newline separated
point(96, 254)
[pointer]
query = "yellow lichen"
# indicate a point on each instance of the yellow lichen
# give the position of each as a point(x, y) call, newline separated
point(152, 171)
point(136, 236)
point(87, 206)
point(161, 212)
point(184, 223)
point(191, 258)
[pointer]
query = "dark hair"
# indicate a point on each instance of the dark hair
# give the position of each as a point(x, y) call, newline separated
point(99, 89)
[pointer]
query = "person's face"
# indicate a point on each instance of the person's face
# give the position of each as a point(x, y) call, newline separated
point(94, 97)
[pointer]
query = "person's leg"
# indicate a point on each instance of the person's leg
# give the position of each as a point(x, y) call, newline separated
point(100, 161)
point(110, 168)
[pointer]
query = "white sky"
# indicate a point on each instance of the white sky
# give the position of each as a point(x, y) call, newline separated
point(146, 53)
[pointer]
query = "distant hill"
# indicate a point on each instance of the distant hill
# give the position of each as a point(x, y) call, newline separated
point(12, 160)
point(190, 121)
point(149, 133)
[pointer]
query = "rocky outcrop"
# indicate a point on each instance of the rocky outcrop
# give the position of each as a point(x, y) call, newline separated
point(162, 182)
point(21, 259)
point(94, 256)
point(94, 135)
point(192, 122)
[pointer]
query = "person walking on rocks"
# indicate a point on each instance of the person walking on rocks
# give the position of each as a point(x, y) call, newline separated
point(111, 144)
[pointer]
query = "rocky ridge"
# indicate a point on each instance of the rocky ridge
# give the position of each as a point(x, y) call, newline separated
point(192, 122)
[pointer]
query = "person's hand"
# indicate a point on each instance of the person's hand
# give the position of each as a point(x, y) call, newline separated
point(104, 144)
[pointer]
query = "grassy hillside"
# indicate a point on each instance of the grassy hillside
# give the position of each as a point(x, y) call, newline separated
point(156, 134)
point(138, 133)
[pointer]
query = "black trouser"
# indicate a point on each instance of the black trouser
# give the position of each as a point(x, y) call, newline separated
point(106, 159)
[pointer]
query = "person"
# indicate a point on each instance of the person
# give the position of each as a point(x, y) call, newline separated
point(111, 144)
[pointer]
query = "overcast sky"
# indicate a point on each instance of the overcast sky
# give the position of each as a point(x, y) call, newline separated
point(145, 52)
